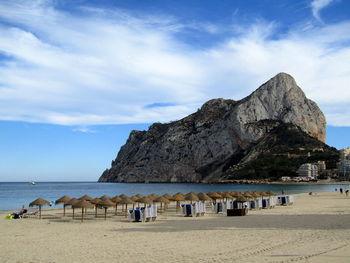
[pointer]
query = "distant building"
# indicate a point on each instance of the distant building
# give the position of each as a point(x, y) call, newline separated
point(345, 154)
point(344, 166)
point(321, 166)
point(309, 171)
point(286, 178)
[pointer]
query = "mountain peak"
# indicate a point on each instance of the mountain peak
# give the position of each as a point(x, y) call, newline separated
point(200, 147)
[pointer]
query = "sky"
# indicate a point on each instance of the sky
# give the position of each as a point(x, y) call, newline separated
point(77, 76)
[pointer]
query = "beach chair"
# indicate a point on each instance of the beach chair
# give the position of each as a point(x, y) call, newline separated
point(187, 209)
point(30, 214)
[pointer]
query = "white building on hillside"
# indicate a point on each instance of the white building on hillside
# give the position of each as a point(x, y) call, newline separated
point(309, 171)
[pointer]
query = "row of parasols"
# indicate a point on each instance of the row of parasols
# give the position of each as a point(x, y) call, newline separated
point(84, 202)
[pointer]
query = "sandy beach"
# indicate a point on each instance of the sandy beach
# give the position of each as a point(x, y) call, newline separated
point(315, 229)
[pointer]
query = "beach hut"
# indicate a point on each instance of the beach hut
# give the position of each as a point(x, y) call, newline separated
point(95, 201)
point(241, 210)
point(83, 204)
point(105, 203)
point(63, 200)
point(39, 203)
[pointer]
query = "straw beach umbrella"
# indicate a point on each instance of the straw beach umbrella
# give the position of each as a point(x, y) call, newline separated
point(116, 200)
point(83, 204)
point(178, 198)
point(63, 200)
point(144, 200)
point(105, 203)
point(125, 201)
point(191, 197)
point(227, 196)
point(85, 197)
point(204, 197)
point(167, 196)
point(152, 197)
point(214, 195)
point(162, 200)
point(95, 201)
point(104, 197)
point(39, 203)
point(71, 202)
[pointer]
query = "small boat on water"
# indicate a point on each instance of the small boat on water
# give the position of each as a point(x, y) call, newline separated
point(32, 183)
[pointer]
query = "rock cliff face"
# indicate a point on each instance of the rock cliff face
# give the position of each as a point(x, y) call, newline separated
point(201, 146)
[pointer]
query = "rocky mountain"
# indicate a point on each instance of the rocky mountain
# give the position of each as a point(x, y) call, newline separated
point(204, 145)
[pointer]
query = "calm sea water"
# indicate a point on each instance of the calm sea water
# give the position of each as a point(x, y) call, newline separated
point(14, 195)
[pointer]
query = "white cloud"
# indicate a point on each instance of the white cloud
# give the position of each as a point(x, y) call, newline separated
point(105, 66)
point(317, 6)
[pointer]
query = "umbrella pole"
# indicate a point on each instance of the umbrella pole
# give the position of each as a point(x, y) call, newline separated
point(126, 210)
point(82, 215)
point(40, 211)
point(105, 213)
point(73, 212)
point(64, 210)
point(95, 210)
point(177, 206)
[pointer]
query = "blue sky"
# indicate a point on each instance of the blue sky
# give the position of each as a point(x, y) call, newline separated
point(77, 76)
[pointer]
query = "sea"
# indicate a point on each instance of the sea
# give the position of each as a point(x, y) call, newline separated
point(14, 195)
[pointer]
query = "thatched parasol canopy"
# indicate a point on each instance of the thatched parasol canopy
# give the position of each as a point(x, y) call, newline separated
point(178, 197)
point(214, 195)
point(105, 203)
point(64, 199)
point(72, 201)
point(204, 197)
point(123, 196)
point(152, 197)
point(116, 199)
point(162, 199)
point(270, 193)
point(104, 197)
point(227, 196)
point(191, 197)
point(39, 203)
point(135, 197)
point(83, 204)
point(95, 201)
point(167, 196)
point(241, 199)
point(144, 200)
point(85, 197)
point(125, 201)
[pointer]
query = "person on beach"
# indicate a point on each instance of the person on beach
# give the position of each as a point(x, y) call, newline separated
point(341, 190)
point(347, 192)
point(22, 211)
